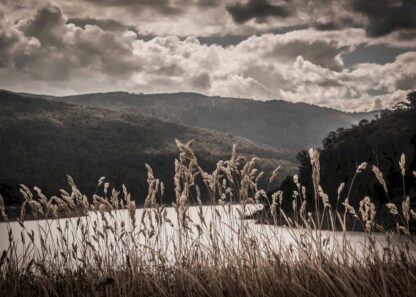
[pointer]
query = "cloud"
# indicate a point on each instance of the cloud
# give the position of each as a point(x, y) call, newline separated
point(162, 6)
point(378, 17)
point(258, 10)
point(205, 18)
point(386, 16)
point(321, 48)
point(46, 47)
point(319, 52)
point(208, 3)
point(48, 52)
point(47, 25)
point(325, 24)
point(104, 24)
point(253, 69)
point(201, 82)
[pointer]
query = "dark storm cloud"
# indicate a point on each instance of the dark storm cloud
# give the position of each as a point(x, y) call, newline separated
point(31, 46)
point(163, 6)
point(46, 25)
point(335, 24)
point(46, 48)
point(258, 10)
point(386, 16)
point(381, 16)
point(104, 24)
point(208, 3)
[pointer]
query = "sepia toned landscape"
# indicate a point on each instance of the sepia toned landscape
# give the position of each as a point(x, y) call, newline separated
point(208, 148)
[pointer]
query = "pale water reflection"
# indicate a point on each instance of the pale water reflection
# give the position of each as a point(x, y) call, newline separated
point(206, 227)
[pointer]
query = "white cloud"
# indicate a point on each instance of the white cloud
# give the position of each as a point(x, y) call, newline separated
point(43, 53)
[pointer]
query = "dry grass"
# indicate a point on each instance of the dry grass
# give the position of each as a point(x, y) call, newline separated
point(116, 251)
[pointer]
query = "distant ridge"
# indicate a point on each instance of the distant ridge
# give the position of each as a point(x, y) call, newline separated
point(277, 123)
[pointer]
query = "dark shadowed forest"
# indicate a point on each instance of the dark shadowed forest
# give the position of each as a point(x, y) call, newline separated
point(379, 142)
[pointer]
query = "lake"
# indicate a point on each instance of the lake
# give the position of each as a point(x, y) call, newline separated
point(207, 226)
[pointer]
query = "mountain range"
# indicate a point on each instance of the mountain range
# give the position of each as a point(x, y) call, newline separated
point(43, 138)
point(277, 123)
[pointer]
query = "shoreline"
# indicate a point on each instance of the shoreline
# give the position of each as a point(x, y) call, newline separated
point(260, 216)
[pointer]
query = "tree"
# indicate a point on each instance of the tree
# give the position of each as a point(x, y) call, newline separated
point(379, 142)
point(411, 97)
point(410, 103)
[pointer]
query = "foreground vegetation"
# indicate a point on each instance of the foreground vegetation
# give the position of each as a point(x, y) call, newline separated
point(113, 252)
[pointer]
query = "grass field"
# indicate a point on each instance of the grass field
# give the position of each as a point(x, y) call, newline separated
point(107, 254)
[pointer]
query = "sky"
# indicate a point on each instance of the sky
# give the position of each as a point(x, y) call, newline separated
point(352, 55)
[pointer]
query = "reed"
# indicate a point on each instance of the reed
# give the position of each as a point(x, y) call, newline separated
point(116, 250)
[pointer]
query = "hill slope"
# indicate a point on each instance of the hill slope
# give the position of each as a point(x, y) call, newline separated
point(277, 123)
point(379, 142)
point(41, 141)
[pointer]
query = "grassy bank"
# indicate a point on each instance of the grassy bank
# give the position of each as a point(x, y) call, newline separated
point(108, 254)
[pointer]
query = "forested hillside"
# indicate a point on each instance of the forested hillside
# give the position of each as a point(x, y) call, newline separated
point(41, 141)
point(277, 123)
point(379, 142)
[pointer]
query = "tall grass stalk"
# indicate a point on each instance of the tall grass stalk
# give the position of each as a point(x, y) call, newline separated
point(116, 250)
